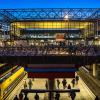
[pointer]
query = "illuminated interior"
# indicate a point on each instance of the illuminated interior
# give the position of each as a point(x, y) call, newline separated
point(49, 24)
point(88, 27)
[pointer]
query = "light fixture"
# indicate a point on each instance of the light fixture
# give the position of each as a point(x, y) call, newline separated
point(66, 17)
point(96, 37)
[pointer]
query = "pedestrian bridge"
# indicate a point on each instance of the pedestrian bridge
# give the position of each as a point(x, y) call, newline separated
point(65, 59)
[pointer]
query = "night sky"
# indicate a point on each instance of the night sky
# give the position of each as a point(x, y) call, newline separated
point(49, 3)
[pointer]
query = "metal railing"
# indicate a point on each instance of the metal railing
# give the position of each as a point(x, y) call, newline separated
point(50, 97)
point(50, 50)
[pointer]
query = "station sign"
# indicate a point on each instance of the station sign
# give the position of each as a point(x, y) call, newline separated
point(37, 36)
point(60, 37)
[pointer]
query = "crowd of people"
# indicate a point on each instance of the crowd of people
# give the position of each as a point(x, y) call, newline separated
point(50, 50)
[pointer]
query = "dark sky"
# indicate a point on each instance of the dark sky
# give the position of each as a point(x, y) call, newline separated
point(49, 3)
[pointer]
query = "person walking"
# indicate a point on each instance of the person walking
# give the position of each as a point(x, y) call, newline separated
point(57, 96)
point(46, 85)
point(64, 82)
point(26, 98)
point(30, 84)
point(16, 98)
point(73, 82)
point(77, 79)
point(97, 98)
point(72, 95)
point(36, 97)
point(58, 83)
point(20, 96)
point(69, 87)
point(25, 85)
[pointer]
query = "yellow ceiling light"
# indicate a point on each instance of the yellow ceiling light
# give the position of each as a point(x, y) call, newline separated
point(49, 24)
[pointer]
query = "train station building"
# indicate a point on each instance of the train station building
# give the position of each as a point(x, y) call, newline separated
point(43, 48)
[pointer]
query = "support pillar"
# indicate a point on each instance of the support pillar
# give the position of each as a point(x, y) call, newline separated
point(51, 83)
point(94, 70)
point(98, 71)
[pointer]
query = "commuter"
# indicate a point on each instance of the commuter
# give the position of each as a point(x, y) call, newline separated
point(69, 87)
point(64, 82)
point(97, 98)
point(46, 85)
point(16, 98)
point(36, 97)
point(25, 85)
point(77, 79)
point(20, 96)
point(58, 83)
point(72, 95)
point(30, 84)
point(57, 96)
point(73, 82)
point(26, 98)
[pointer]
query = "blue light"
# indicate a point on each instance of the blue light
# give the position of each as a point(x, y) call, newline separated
point(51, 70)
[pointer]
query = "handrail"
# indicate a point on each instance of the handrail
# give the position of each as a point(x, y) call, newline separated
point(44, 90)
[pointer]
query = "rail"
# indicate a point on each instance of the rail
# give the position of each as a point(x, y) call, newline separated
point(90, 81)
point(26, 91)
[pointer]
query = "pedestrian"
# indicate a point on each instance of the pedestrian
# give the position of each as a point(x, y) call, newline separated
point(77, 79)
point(25, 85)
point(57, 96)
point(72, 95)
point(36, 97)
point(20, 96)
point(26, 98)
point(30, 84)
point(97, 98)
point(73, 82)
point(46, 85)
point(69, 87)
point(16, 98)
point(64, 82)
point(58, 83)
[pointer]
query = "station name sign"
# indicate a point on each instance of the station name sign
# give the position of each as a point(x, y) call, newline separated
point(38, 36)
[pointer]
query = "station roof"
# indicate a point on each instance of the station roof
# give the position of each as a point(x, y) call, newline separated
point(10, 15)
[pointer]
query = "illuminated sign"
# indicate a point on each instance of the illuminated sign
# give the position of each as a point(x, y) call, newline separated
point(38, 36)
